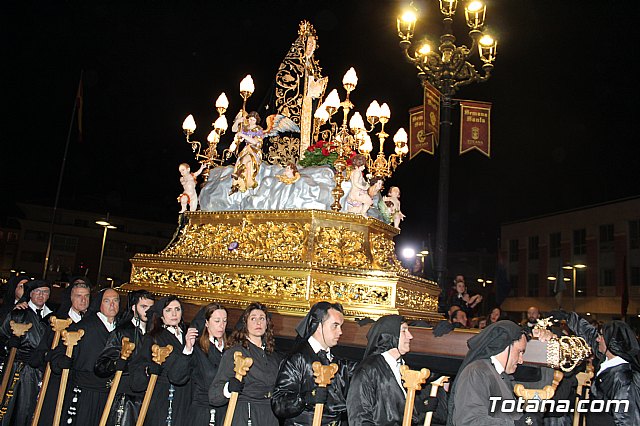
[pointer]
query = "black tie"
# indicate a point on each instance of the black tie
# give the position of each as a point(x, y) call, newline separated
point(81, 314)
point(39, 312)
point(324, 358)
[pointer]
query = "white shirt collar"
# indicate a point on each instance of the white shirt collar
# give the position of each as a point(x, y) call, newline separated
point(176, 332)
point(45, 309)
point(496, 364)
point(317, 346)
point(218, 343)
point(395, 367)
point(616, 360)
point(138, 325)
point(109, 325)
point(75, 317)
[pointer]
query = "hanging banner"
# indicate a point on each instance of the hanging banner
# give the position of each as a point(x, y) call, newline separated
point(475, 128)
point(431, 105)
point(417, 138)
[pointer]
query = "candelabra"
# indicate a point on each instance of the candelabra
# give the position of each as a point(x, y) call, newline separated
point(344, 139)
point(448, 68)
point(210, 157)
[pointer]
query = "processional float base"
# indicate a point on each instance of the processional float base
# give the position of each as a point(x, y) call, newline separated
point(289, 260)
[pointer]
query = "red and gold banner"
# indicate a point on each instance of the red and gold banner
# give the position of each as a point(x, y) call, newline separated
point(475, 127)
point(431, 115)
point(416, 133)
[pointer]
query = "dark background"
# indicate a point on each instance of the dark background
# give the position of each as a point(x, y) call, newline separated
point(564, 95)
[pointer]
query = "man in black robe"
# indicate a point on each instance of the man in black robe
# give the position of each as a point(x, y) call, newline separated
point(133, 325)
point(493, 356)
point(87, 393)
point(296, 393)
point(13, 293)
point(617, 366)
point(376, 395)
point(73, 304)
point(20, 407)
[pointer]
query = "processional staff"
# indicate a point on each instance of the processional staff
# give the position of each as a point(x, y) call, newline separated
point(159, 355)
point(434, 392)
point(323, 375)
point(70, 339)
point(413, 381)
point(584, 382)
point(125, 353)
point(57, 325)
point(242, 365)
point(18, 330)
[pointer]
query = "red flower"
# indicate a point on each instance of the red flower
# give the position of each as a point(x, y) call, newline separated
point(349, 162)
point(325, 152)
point(353, 154)
point(311, 148)
point(320, 144)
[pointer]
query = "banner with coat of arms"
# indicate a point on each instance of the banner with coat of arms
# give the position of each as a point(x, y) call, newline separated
point(475, 127)
point(425, 123)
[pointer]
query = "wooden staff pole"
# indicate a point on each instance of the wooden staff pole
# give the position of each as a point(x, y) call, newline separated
point(70, 339)
point(159, 355)
point(323, 375)
point(242, 365)
point(434, 392)
point(125, 353)
point(18, 330)
point(57, 325)
point(413, 381)
point(584, 382)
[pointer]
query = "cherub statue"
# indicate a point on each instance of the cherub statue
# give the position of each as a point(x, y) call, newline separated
point(392, 201)
point(188, 180)
point(358, 200)
point(290, 174)
point(250, 158)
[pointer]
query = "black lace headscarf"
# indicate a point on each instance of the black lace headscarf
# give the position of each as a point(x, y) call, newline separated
point(621, 341)
point(489, 342)
point(383, 335)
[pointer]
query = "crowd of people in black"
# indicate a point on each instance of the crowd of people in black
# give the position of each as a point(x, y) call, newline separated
point(48, 380)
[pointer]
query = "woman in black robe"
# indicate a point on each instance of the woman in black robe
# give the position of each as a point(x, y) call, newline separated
point(205, 360)
point(171, 396)
point(13, 293)
point(253, 337)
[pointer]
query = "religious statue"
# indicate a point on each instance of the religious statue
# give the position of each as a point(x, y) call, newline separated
point(392, 201)
point(358, 200)
point(290, 174)
point(189, 196)
point(249, 159)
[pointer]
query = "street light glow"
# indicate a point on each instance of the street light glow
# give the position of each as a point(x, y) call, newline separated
point(408, 253)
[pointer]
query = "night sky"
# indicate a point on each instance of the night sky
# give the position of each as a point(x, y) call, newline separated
point(564, 95)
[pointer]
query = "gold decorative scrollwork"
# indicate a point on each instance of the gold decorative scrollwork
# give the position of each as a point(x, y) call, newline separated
point(416, 300)
point(383, 251)
point(264, 241)
point(352, 293)
point(249, 285)
point(340, 247)
point(283, 150)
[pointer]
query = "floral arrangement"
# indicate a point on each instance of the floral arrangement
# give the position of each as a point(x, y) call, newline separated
point(323, 153)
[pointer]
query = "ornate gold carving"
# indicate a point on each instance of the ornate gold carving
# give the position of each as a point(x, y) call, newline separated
point(283, 150)
point(254, 285)
point(340, 246)
point(352, 293)
point(416, 300)
point(383, 251)
point(265, 241)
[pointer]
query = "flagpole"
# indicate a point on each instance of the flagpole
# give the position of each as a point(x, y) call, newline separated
point(64, 162)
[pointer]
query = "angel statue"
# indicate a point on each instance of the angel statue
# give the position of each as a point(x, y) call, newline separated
point(188, 180)
point(250, 158)
point(358, 200)
point(392, 202)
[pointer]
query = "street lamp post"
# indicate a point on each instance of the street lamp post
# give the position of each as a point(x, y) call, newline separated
point(106, 226)
point(448, 69)
point(573, 269)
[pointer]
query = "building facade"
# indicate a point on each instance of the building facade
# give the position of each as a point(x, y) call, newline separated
point(602, 240)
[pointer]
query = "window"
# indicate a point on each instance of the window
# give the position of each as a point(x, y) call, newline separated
point(532, 285)
point(554, 245)
point(513, 250)
point(581, 282)
point(35, 236)
point(513, 280)
point(634, 234)
point(606, 237)
point(80, 222)
point(607, 277)
point(65, 243)
point(12, 236)
point(635, 275)
point(580, 241)
point(534, 251)
point(32, 256)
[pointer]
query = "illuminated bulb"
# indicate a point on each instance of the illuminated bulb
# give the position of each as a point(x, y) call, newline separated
point(486, 40)
point(408, 17)
point(333, 100)
point(366, 145)
point(356, 123)
point(221, 124)
point(474, 6)
point(189, 124)
point(246, 85)
point(385, 112)
point(321, 114)
point(222, 101)
point(373, 110)
point(400, 136)
point(212, 136)
point(350, 79)
point(424, 49)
